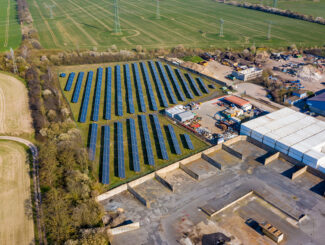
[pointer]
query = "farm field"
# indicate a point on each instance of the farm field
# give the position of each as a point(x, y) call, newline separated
point(87, 24)
point(16, 226)
point(15, 118)
point(164, 122)
point(309, 7)
point(10, 34)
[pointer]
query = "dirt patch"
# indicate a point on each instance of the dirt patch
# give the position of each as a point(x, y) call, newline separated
point(15, 118)
point(16, 226)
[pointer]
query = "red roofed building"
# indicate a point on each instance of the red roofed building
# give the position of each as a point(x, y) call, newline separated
point(239, 102)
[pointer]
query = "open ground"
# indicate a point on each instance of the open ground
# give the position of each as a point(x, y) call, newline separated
point(16, 226)
point(15, 118)
point(87, 24)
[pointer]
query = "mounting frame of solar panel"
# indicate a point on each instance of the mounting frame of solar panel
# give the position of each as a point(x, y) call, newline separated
point(139, 87)
point(129, 88)
point(147, 81)
point(77, 88)
point(69, 82)
point(158, 84)
point(182, 80)
point(85, 102)
point(120, 150)
point(147, 140)
point(175, 82)
point(106, 150)
point(160, 136)
point(166, 82)
point(98, 90)
point(118, 90)
point(108, 94)
point(134, 146)
point(192, 82)
point(177, 149)
point(92, 141)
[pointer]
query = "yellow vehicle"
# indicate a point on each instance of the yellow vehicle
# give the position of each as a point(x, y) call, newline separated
point(204, 63)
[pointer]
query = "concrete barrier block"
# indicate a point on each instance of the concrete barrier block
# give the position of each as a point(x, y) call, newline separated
point(164, 182)
point(189, 171)
point(111, 193)
point(299, 172)
point(139, 197)
point(211, 161)
point(271, 158)
point(141, 180)
point(232, 151)
point(124, 228)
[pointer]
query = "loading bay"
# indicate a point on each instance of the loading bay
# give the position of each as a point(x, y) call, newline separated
point(230, 199)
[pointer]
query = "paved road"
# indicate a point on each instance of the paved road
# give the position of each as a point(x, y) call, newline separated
point(37, 191)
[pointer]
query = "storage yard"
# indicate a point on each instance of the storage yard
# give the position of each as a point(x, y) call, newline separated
point(118, 113)
point(230, 194)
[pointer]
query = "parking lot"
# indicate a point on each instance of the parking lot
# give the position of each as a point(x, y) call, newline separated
point(175, 216)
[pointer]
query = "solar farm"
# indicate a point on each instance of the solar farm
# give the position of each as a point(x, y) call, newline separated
point(117, 107)
point(87, 24)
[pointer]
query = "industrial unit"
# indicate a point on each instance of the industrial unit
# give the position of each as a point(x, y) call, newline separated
point(239, 102)
point(317, 104)
point(295, 134)
point(248, 74)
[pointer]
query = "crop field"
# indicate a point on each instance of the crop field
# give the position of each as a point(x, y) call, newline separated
point(10, 34)
point(85, 127)
point(86, 24)
point(16, 226)
point(309, 7)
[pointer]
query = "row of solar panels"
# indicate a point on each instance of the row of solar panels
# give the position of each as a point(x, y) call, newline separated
point(119, 144)
point(119, 101)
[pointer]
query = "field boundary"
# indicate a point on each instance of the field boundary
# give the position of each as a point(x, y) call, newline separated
point(5, 44)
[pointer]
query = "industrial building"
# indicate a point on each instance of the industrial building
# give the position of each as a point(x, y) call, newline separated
point(295, 134)
point(171, 112)
point(184, 116)
point(178, 112)
point(239, 102)
point(317, 104)
point(248, 74)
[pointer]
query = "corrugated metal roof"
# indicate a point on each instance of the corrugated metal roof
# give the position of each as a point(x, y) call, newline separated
point(236, 100)
point(320, 97)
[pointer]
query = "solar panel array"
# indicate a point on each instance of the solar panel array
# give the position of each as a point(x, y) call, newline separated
point(92, 141)
point(147, 141)
point(106, 146)
point(150, 91)
point(129, 88)
point(69, 82)
point(166, 82)
point(160, 136)
point(97, 94)
point(77, 88)
point(193, 84)
point(158, 84)
point(119, 102)
point(108, 94)
point(202, 85)
point(85, 102)
point(188, 142)
point(187, 89)
point(177, 149)
point(139, 87)
point(134, 146)
point(120, 151)
point(174, 81)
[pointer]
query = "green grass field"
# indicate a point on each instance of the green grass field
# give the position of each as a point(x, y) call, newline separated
point(309, 7)
point(10, 34)
point(84, 127)
point(193, 23)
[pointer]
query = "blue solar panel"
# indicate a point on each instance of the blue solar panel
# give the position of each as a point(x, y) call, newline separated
point(77, 88)
point(147, 141)
point(139, 87)
point(92, 141)
point(160, 136)
point(106, 147)
point(202, 85)
point(158, 84)
point(69, 82)
point(176, 147)
point(127, 77)
point(119, 103)
point(166, 82)
point(98, 90)
point(85, 102)
point(108, 94)
point(149, 87)
point(188, 142)
point(176, 84)
point(182, 80)
point(134, 146)
point(120, 151)
point(194, 86)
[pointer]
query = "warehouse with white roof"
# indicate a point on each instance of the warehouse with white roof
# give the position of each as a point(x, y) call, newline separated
point(295, 134)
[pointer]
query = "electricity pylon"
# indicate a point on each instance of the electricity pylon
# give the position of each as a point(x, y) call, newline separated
point(117, 26)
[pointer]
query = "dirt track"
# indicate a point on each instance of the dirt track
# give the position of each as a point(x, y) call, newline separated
point(15, 117)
